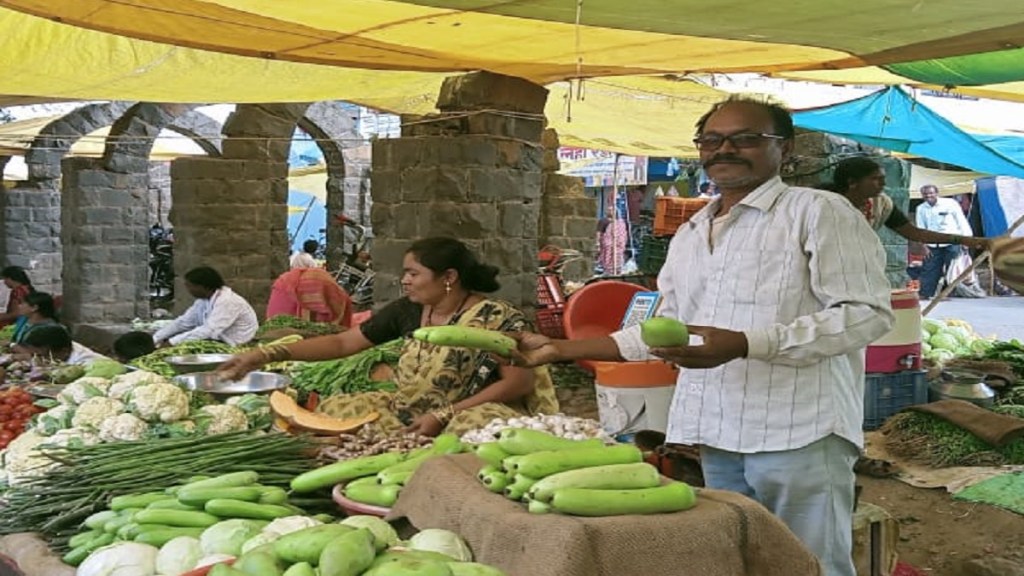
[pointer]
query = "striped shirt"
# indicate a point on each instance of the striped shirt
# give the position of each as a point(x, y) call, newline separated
point(800, 273)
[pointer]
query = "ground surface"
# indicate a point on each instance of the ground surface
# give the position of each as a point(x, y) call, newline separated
point(938, 535)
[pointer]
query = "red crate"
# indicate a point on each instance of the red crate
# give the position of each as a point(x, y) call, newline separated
point(549, 290)
point(671, 212)
point(549, 321)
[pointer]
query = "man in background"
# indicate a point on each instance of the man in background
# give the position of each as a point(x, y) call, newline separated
point(939, 215)
point(305, 258)
point(219, 313)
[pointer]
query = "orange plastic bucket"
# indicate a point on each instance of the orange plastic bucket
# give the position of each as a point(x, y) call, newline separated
point(597, 310)
point(650, 374)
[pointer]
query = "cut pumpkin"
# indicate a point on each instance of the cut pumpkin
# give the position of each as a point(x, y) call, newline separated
point(298, 418)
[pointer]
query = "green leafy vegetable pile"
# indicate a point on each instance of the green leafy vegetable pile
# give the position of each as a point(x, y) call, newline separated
point(346, 375)
point(306, 326)
point(931, 440)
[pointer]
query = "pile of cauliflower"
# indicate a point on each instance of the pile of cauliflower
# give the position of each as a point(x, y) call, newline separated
point(128, 407)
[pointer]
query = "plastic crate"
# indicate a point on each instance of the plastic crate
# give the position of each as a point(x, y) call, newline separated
point(671, 212)
point(550, 291)
point(652, 254)
point(549, 321)
point(887, 394)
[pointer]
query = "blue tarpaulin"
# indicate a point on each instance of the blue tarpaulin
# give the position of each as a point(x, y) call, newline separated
point(891, 119)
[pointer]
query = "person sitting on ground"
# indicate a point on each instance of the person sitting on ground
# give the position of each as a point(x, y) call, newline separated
point(16, 279)
point(306, 258)
point(217, 314)
point(310, 294)
point(132, 345)
point(438, 388)
point(54, 342)
point(37, 309)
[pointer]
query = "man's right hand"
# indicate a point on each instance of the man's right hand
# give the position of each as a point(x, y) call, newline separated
point(534, 350)
point(241, 364)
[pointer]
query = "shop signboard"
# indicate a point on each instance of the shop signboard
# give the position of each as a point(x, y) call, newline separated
point(598, 168)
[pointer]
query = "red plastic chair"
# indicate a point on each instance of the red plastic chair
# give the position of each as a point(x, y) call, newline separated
point(597, 310)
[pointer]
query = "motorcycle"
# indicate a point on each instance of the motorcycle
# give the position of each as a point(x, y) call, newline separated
point(355, 275)
point(161, 264)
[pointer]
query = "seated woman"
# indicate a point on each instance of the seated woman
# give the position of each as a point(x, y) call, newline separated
point(310, 294)
point(36, 310)
point(862, 182)
point(54, 342)
point(17, 280)
point(439, 388)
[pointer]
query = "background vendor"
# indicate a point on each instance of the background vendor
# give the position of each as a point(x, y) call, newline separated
point(439, 388)
point(217, 314)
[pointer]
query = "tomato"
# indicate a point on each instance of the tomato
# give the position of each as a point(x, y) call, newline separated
point(25, 411)
point(7, 435)
point(14, 425)
point(5, 412)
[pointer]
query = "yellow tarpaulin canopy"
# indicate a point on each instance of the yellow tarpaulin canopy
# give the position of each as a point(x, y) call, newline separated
point(16, 137)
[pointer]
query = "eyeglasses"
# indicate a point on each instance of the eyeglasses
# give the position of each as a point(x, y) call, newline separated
point(740, 140)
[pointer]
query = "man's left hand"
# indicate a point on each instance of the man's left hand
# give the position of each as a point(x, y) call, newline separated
point(425, 425)
point(719, 346)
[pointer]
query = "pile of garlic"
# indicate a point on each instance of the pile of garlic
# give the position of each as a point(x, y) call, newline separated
point(560, 425)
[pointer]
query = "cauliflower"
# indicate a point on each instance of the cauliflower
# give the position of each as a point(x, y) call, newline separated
point(79, 436)
point(256, 408)
point(22, 460)
point(121, 385)
point(82, 389)
point(221, 418)
point(123, 427)
point(160, 402)
point(95, 410)
point(55, 419)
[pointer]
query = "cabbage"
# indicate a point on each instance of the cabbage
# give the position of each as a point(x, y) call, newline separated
point(442, 542)
point(289, 524)
point(102, 368)
point(228, 536)
point(962, 334)
point(925, 347)
point(122, 559)
point(944, 341)
point(258, 540)
point(384, 536)
point(981, 346)
point(178, 556)
point(940, 355)
point(931, 325)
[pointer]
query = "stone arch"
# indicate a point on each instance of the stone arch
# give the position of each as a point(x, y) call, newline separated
point(347, 186)
point(55, 140)
point(203, 130)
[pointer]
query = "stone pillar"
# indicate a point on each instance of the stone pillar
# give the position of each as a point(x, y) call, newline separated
point(30, 234)
point(567, 215)
point(159, 193)
point(348, 194)
point(472, 172)
point(105, 237)
point(230, 214)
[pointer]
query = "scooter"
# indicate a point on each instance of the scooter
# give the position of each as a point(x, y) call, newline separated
point(161, 265)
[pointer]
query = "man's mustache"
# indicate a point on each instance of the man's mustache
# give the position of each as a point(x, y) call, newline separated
point(725, 159)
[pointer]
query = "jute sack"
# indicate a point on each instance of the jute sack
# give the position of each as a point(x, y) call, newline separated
point(726, 534)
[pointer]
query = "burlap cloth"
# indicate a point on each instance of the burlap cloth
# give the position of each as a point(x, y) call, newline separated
point(724, 535)
point(995, 429)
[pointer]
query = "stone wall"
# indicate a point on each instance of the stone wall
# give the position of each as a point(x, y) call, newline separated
point(230, 215)
point(104, 234)
point(567, 215)
point(30, 229)
point(473, 173)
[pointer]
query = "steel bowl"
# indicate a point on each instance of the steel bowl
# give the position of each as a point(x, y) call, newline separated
point(252, 383)
point(190, 363)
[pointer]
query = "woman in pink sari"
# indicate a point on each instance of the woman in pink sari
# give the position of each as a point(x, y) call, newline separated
point(310, 294)
point(612, 238)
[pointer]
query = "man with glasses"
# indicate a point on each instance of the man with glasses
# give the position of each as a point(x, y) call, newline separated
point(940, 215)
point(785, 288)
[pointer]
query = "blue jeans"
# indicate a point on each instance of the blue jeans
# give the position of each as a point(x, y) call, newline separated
point(934, 267)
point(810, 489)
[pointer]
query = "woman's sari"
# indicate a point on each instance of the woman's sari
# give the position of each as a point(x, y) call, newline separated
point(310, 294)
point(431, 377)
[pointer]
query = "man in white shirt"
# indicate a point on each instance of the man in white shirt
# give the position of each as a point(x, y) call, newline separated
point(785, 287)
point(305, 258)
point(939, 215)
point(217, 314)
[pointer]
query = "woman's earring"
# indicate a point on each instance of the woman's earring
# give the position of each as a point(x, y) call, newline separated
point(447, 287)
